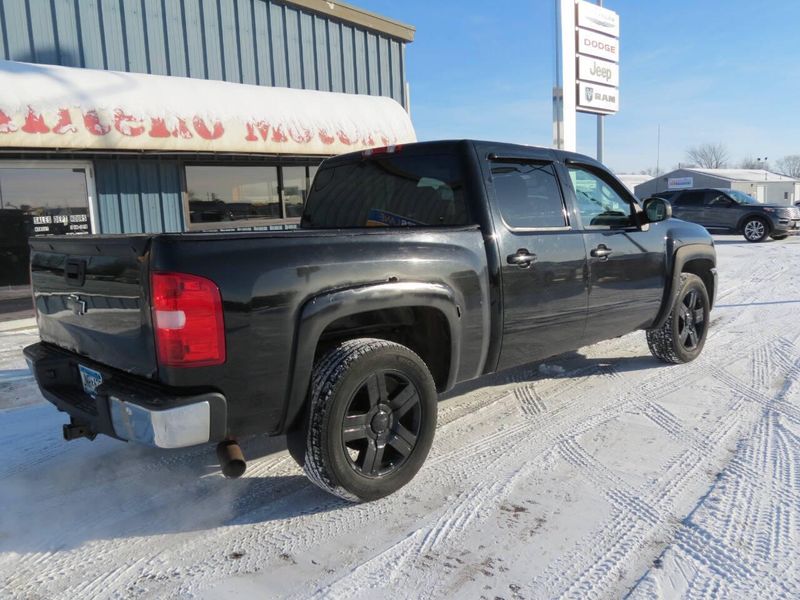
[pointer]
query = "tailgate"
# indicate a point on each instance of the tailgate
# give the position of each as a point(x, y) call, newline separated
point(91, 298)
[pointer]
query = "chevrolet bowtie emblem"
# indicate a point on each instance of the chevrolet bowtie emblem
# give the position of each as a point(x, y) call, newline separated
point(75, 304)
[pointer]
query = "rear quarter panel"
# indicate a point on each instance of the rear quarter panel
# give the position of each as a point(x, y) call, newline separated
point(265, 280)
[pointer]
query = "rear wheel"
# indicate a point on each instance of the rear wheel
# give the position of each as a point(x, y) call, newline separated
point(372, 417)
point(755, 229)
point(683, 335)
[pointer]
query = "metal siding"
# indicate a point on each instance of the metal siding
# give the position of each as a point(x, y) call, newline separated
point(105, 175)
point(278, 45)
point(264, 42)
point(130, 201)
point(113, 35)
point(158, 56)
point(136, 36)
point(307, 52)
point(263, 56)
point(247, 47)
point(373, 79)
point(321, 56)
point(149, 186)
point(171, 195)
point(175, 40)
point(212, 37)
point(3, 40)
point(19, 42)
point(66, 24)
point(360, 48)
point(397, 74)
point(385, 71)
point(348, 60)
point(45, 48)
point(335, 56)
point(293, 58)
point(194, 39)
point(230, 51)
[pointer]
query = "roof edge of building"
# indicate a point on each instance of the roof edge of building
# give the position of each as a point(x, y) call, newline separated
point(358, 16)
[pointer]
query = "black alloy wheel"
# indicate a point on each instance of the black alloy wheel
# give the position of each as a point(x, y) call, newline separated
point(682, 336)
point(691, 320)
point(381, 423)
point(370, 422)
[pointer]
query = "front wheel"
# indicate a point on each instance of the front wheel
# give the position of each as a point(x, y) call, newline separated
point(755, 229)
point(372, 417)
point(683, 335)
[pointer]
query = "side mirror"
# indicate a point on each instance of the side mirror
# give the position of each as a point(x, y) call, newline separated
point(657, 209)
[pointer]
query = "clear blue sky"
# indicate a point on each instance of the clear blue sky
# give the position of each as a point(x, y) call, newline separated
point(707, 71)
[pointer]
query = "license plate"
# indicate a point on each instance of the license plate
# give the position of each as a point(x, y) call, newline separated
point(90, 379)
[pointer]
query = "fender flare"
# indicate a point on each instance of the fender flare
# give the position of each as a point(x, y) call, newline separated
point(320, 311)
point(680, 257)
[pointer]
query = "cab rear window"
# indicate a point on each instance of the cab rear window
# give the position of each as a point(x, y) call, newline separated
point(388, 190)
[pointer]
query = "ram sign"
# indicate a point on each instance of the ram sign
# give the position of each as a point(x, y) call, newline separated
point(597, 47)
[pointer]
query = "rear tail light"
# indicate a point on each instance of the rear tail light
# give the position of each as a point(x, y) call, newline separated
point(187, 320)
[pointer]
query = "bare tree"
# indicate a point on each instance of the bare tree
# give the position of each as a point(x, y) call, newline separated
point(708, 156)
point(748, 162)
point(652, 171)
point(790, 165)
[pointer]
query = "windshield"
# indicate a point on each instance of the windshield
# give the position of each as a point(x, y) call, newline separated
point(741, 197)
point(388, 190)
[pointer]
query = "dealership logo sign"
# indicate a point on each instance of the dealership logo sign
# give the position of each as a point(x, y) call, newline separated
point(597, 98)
point(598, 71)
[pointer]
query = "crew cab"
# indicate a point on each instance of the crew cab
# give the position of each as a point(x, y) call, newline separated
point(414, 268)
point(732, 211)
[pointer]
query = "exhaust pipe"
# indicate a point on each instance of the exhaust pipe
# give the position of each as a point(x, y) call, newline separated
point(231, 459)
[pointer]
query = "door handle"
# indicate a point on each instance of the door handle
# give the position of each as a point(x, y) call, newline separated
point(602, 252)
point(522, 258)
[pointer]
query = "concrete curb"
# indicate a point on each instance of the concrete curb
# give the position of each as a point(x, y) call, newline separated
point(17, 324)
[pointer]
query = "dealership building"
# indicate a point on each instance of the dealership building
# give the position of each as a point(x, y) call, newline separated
point(764, 186)
point(139, 116)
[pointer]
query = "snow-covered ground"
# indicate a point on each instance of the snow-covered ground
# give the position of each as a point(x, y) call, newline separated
point(599, 474)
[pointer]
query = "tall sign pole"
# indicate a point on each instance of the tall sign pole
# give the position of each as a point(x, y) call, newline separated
point(587, 68)
point(564, 117)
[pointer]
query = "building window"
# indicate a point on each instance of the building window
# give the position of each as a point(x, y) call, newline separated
point(220, 194)
point(295, 190)
point(245, 195)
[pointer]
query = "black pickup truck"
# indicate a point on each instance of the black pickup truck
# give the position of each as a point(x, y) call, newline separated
point(414, 268)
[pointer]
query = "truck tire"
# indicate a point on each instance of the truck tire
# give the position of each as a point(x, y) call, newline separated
point(371, 419)
point(755, 229)
point(681, 338)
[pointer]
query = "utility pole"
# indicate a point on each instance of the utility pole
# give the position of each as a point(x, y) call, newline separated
point(658, 151)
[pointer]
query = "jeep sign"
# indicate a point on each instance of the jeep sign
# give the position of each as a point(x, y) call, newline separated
point(593, 97)
point(600, 46)
point(598, 71)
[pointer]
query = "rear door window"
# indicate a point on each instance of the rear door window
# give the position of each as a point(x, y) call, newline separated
point(393, 190)
point(528, 195)
point(693, 198)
